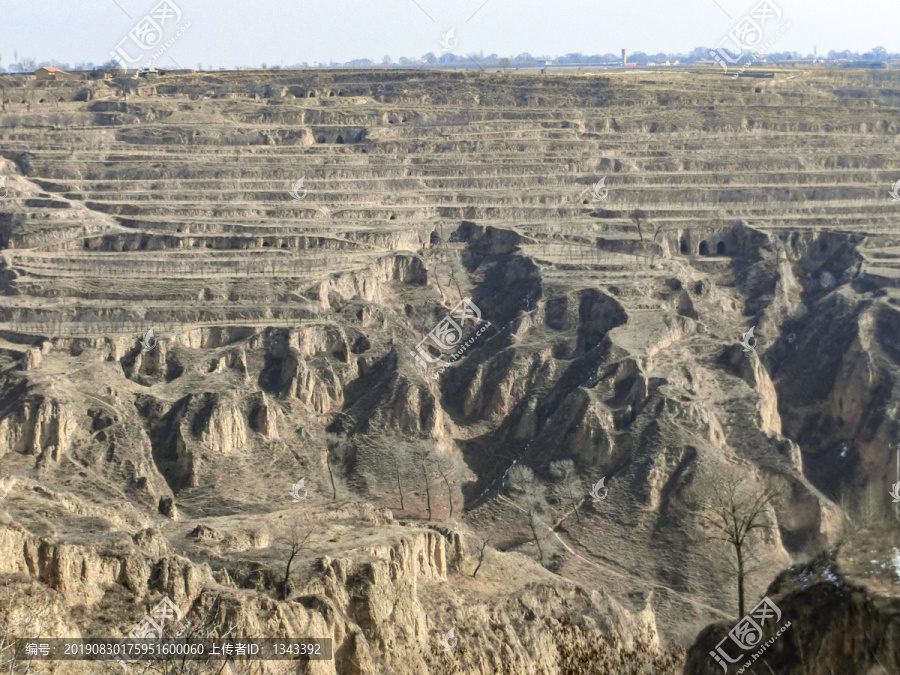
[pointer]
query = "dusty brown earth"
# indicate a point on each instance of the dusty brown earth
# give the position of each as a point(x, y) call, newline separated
point(286, 318)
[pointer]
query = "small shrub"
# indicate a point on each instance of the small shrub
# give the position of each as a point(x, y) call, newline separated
point(590, 652)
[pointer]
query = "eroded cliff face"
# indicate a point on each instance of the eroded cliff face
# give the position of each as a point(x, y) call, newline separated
point(833, 370)
point(80, 575)
point(381, 604)
point(635, 385)
point(39, 426)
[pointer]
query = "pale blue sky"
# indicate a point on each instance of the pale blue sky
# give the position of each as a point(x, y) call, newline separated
point(277, 32)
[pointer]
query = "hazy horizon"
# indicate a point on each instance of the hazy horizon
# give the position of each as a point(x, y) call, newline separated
point(341, 30)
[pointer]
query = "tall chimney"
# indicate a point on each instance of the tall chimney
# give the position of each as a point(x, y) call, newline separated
point(624, 57)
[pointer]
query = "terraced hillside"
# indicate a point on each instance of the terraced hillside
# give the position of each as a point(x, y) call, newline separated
point(292, 237)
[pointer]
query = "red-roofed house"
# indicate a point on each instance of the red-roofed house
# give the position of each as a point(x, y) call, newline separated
point(51, 73)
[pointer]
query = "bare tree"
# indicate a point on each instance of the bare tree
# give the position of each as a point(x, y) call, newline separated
point(338, 453)
point(24, 65)
point(394, 453)
point(297, 540)
point(638, 216)
point(658, 229)
point(330, 474)
point(446, 466)
point(867, 511)
point(210, 626)
point(422, 454)
point(425, 471)
point(484, 545)
point(124, 86)
point(455, 267)
point(520, 479)
point(111, 67)
point(425, 460)
point(397, 464)
point(570, 485)
point(535, 523)
point(735, 511)
point(447, 261)
point(528, 495)
point(440, 258)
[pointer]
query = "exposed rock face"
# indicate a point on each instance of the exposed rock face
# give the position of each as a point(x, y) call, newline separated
point(39, 426)
point(32, 358)
point(167, 508)
point(264, 418)
point(206, 533)
point(236, 359)
point(752, 370)
point(222, 424)
point(320, 390)
point(79, 575)
point(838, 614)
point(151, 543)
point(359, 603)
point(6, 484)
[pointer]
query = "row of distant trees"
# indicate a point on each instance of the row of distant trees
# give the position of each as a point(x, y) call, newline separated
point(640, 58)
point(28, 65)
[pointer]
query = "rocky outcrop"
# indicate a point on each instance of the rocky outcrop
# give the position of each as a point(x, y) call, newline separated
point(370, 601)
point(240, 541)
point(832, 621)
point(369, 284)
point(752, 370)
point(32, 358)
point(7, 483)
point(235, 359)
point(223, 428)
point(264, 417)
point(151, 543)
point(168, 508)
point(320, 389)
point(856, 384)
point(39, 426)
point(79, 574)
